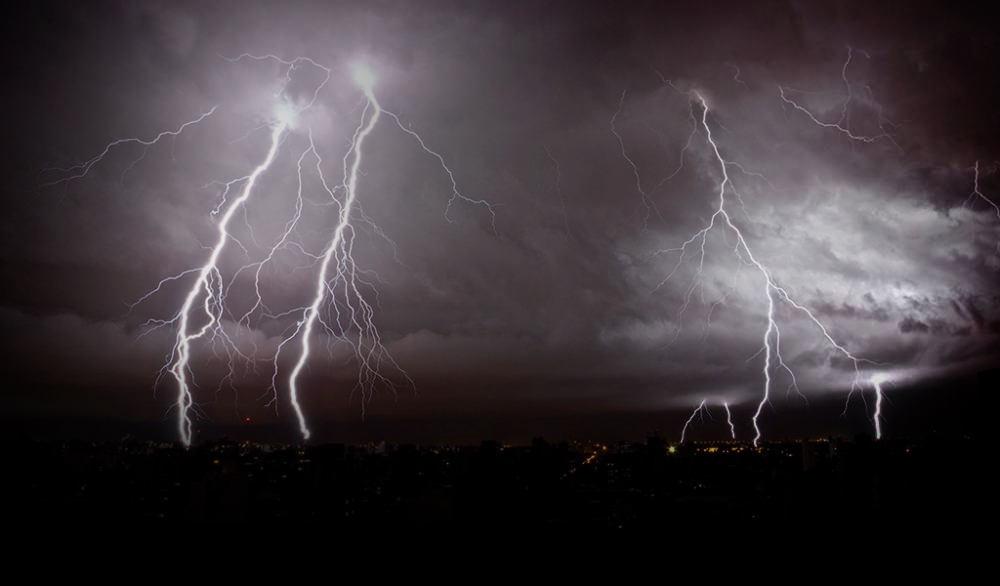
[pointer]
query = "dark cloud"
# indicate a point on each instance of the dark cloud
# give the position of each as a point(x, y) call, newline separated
point(566, 303)
point(910, 324)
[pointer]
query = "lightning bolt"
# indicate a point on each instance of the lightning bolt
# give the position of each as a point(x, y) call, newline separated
point(81, 170)
point(339, 284)
point(647, 203)
point(736, 75)
point(456, 195)
point(338, 258)
point(878, 407)
point(339, 249)
point(208, 287)
point(772, 292)
point(729, 420)
point(876, 381)
point(978, 193)
point(842, 124)
point(700, 409)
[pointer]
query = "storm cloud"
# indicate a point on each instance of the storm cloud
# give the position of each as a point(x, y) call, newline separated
point(559, 304)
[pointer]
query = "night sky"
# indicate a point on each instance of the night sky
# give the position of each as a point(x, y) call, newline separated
point(555, 317)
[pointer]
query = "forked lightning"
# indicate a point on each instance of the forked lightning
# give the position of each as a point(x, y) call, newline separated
point(339, 283)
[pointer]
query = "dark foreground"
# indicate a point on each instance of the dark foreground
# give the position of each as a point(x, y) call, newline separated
point(859, 483)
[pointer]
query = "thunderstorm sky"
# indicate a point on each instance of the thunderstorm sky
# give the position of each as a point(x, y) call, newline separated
point(555, 319)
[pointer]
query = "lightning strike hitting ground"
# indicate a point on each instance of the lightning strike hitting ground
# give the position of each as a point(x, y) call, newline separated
point(772, 291)
point(700, 409)
point(340, 245)
point(368, 349)
point(729, 420)
point(877, 381)
point(209, 282)
point(339, 283)
point(703, 409)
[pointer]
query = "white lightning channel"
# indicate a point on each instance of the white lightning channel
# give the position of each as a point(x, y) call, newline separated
point(700, 409)
point(208, 287)
point(878, 409)
point(337, 269)
point(646, 202)
point(842, 124)
point(337, 305)
point(978, 193)
point(311, 313)
point(876, 381)
point(772, 291)
point(456, 195)
point(338, 282)
point(729, 420)
point(81, 170)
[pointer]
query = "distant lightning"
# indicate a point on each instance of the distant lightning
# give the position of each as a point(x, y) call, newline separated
point(978, 193)
point(878, 409)
point(81, 170)
point(729, 420)
point(647, 203)
point(456, 195)
point(877, 381)
point(772, 291)
point(842, 124)
point(684, 149)
point(700, 409)
point(736, 75)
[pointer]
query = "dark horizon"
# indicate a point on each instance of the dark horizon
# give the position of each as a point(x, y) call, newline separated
point(922, 414)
